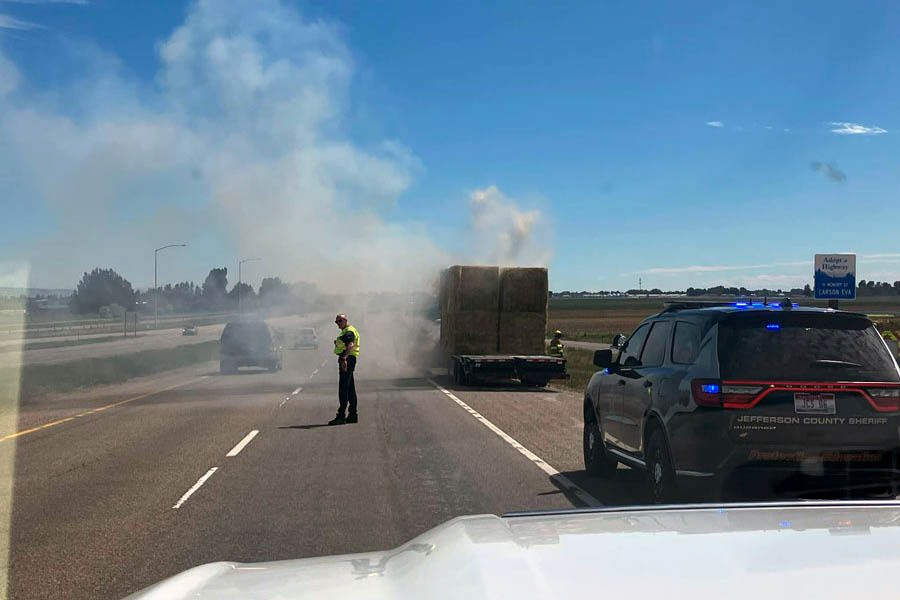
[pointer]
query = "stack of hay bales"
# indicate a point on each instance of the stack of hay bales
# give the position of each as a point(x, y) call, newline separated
point(523, 310)
point(470, 309)
point(488, 310)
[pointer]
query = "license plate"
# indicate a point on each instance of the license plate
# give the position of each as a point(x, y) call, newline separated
point(815, 404)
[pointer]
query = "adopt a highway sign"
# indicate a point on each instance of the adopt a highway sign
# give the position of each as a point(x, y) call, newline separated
point(835, 277)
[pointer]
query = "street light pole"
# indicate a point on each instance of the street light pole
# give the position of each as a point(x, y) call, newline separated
point(240, 287)
point(156, 285)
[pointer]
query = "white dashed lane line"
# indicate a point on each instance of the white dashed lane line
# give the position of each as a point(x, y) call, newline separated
point(319, 367)
point(195, 487)
point(558, 477)
point(243, 443)
point(297, 391)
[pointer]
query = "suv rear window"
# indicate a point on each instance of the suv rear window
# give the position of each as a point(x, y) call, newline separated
point(803, 347)
point(254, 335)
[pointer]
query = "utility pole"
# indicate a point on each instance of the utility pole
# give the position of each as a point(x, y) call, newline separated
point(240, 287)
point(156, 285)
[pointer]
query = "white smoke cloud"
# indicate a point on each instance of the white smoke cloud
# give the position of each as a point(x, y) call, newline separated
point(238, 147)
point(503, 233)
point(240, 142)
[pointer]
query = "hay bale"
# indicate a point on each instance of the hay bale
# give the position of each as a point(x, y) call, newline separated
point(524, 289)
point(470, 332)
point(470, 303)
point(522, 332)
point(466, 288)
point(479, 289)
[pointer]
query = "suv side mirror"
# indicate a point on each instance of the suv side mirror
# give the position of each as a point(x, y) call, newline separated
point(618, 341)
point(603, 358)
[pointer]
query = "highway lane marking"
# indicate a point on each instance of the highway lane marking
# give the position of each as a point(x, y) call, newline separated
point(195, 487)
point(241, 444)
point(324, 362)
point(98, 409)
point(297, 391)
point(561, 479)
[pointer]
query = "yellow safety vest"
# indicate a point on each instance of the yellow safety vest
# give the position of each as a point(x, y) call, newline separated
point(340, 346)
point(557, 349)
point(889, 335)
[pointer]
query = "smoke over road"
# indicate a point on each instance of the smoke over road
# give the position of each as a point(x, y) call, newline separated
point(242, 147)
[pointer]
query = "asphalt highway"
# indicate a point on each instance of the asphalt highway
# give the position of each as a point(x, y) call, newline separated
point(12, 354)
point(118, 487)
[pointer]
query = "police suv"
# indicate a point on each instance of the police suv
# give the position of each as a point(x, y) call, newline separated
point(709, 391)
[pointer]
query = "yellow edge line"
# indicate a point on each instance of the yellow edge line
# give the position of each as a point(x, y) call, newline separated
point(98, 409)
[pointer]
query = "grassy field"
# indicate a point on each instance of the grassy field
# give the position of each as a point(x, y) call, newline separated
point(61, 343)
point(580, 364)
point(599, 319)
point(86, 372)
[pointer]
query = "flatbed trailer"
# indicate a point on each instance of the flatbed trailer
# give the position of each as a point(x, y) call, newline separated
point(468, 369)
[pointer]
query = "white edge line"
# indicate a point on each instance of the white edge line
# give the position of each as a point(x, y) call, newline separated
point(297, 391)
point(283, 401)
point(561, 479)
point(314, 372)
point(240, 445)
point(195, 487)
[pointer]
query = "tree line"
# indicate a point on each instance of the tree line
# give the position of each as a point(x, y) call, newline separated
point(864, 288)
point(104, 289)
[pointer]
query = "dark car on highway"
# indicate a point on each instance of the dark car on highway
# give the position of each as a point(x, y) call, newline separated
point(711, 392)
point(306, 338)
point(189, 330)
point(249, 344)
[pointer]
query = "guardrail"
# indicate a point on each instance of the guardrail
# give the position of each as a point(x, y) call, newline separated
point(114, 324)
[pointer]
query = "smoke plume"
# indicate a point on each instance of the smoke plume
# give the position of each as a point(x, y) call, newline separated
point(238, 148)
point(829, 170)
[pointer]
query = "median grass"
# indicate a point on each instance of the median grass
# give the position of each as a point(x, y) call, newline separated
point(61, 343)
point(87, 372)
point(580, 364)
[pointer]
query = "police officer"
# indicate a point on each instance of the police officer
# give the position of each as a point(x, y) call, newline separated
point(556, 345)
point(346, 346)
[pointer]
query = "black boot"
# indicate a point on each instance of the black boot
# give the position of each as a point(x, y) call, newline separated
point(352, 419)
point(337, 420)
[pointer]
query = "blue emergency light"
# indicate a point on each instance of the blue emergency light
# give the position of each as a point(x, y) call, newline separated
point(710, 388)
point(773, 326)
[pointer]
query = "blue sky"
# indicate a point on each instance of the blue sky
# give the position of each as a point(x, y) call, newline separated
point(689, 144)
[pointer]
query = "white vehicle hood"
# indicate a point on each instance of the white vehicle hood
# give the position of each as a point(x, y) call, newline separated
point(814, 550)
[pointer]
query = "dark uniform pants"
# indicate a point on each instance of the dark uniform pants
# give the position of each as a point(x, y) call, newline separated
point(347, 388)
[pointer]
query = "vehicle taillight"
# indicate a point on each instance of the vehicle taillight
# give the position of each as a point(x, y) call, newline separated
point(734, 396)
point(712, 392)
point(707, 392)
point(886, 398)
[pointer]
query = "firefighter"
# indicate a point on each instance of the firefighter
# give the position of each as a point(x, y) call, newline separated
point(556, 345)
point(346, 346)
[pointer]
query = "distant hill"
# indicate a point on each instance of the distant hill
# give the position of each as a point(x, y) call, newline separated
point(32, 292)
